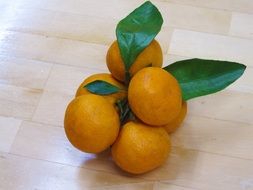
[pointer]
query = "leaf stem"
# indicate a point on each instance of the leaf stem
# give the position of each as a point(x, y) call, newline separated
point(127, 78)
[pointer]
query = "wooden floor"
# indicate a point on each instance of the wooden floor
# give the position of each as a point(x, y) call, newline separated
point(47, 47)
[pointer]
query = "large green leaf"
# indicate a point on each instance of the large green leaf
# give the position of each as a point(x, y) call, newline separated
point(198, 77)
point(137, 30)
point(101, 87)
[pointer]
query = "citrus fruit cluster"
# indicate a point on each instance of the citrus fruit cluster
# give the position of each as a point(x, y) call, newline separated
point(132, 110)
point(139, 143)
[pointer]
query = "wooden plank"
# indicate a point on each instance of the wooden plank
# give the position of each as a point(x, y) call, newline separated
point(51, 144)
point(71, 14)
point(9, 127)
point(54, 50)
point(51, 108)
point(166, 186)
point(23, 72)
point(211, 46)
point(38, 174)
point(18, 101)
point(242, 25)
point(75, 26)
point(225, 105)
point(200, 170)
point(61, 24)
point(195, 18)
point(215, 136)
point(227, 5)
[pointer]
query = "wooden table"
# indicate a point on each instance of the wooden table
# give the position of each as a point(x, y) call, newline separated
point(48, 47)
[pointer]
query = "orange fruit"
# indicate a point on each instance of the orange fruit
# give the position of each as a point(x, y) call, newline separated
point(141, 148)
point(154, 96)
point(176, 122)
point(151, 56)
point(91, 123)
point(107, 78)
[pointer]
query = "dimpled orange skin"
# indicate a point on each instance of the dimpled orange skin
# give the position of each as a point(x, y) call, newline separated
point(107, 78)
point(91, 123)
point(177, 121)
point(151, 55)
point(154, 96)
point(141, 148)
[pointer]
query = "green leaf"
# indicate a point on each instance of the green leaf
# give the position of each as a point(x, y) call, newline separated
point(137, 30)
point(101, 87)
point(125, 111)
point(199, 77)
point(121, 105)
